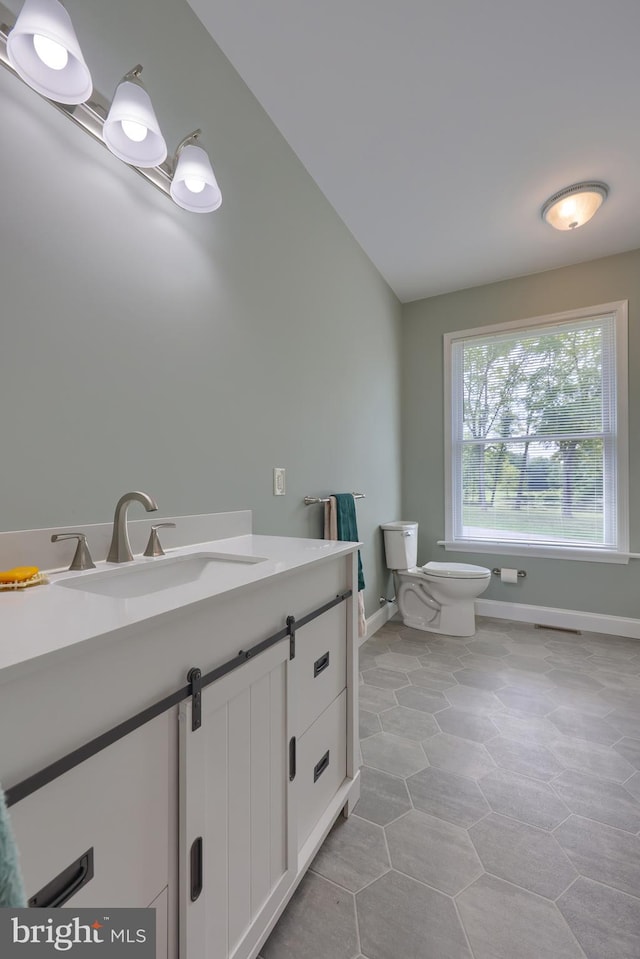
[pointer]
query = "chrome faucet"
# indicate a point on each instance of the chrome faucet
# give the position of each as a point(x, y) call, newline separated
point(120, 549)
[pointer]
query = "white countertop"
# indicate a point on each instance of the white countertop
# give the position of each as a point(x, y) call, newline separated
point(41, 620)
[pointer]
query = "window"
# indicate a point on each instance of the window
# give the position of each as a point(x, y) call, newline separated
point(536, 448)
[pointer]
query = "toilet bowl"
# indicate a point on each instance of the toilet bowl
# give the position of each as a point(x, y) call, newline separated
point(436, 597)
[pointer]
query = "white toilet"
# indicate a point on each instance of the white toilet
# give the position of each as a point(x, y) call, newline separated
point(437, 597)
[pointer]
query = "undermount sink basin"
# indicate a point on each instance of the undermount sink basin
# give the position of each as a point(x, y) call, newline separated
point(132, 580)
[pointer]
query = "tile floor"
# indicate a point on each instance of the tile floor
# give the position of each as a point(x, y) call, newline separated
point(500, 807)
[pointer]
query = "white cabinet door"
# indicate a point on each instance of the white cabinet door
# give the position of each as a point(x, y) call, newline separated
point(235, 820)
point(116, 804)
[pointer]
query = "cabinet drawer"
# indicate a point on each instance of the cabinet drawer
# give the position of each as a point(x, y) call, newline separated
point(116, 804)
point(321, 765)
point(321, 664)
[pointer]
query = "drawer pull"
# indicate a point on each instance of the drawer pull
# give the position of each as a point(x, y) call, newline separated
point(320, 664)
point(65, 884)
point(196, 868)
point(320, 767)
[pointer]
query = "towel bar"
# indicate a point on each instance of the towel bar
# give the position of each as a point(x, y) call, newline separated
point(310, 500)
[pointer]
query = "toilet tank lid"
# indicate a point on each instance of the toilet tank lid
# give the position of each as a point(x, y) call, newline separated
point(456, 570)
point(399, 524)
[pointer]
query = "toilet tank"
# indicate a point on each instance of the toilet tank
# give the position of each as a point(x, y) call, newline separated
point(400, 544)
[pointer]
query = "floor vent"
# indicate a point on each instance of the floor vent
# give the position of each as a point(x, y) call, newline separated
point(558, 629)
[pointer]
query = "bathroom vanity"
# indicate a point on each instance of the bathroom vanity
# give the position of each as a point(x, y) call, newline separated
point(212, 809)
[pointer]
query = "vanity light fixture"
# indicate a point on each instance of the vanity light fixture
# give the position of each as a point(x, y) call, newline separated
point(194, 186)
point(131, 129)
point(43, 49)
point(575, 205)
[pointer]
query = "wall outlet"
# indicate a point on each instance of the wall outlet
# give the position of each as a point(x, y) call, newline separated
point(279, 488)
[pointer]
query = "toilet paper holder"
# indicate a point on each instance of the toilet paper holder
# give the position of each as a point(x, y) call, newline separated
point(521, 572)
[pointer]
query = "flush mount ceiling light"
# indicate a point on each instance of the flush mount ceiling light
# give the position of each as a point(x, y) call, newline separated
point(194, 186)
point(575, 205)
point(131, 130)
point(43, 49)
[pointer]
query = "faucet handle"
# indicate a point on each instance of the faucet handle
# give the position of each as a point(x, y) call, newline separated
point(153, 546)
point(82, 556)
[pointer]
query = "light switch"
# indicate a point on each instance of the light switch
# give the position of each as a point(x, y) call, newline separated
point(279, 488)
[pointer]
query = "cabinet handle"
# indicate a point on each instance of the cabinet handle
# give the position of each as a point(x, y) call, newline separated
point(196, 868)
point(65, 884)
point(292, 759)
point(320, 664)
point(320, 767)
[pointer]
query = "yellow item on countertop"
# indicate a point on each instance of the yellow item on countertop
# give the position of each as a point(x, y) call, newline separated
point(20, 577)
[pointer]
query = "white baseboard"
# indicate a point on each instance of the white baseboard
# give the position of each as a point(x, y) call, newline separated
point(565, 618)
point(377, 621)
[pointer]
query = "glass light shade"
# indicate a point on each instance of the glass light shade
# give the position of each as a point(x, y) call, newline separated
point(64, 82)
point(575, 205)
point(132, 105)
point(194, 186)
point(52, 54)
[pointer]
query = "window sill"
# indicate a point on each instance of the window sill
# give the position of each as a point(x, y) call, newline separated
point(581, 554)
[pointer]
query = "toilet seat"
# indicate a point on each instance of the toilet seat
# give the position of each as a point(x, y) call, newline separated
point(455, 570)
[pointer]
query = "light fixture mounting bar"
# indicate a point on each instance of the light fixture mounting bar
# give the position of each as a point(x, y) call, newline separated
point(90, 116)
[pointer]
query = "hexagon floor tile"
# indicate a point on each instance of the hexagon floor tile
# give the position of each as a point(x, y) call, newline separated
point(385, 678)
point(525, 729)
point(473, 700)
point(593, 729)
point(433, 851)
point(412, 724)
point(398, 916)
point(528, 759)
point(629, 749)
point(600, 852)
point(382, 797)
point(503, 921)
point(604, 801)
point(419, 697)
point(319, 923)
point(516, 833)
point(605, 922)
point(524, 855)
point(393, 754)
point(595, 760)
point(398, 661)
point(447, 796)
point(524, 799)
point(431, 678)
point(369, 724)
point(375, 699)
point(480, 678)
point(466, 725)
point(353, 854)
point(526, 702)
point(461, 756)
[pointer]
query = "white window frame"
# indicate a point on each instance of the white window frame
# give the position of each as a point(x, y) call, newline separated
point(619, 310)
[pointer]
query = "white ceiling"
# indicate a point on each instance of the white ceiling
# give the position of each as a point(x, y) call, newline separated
point(437, 128)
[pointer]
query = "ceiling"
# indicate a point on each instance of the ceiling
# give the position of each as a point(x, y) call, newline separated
point(438, 128)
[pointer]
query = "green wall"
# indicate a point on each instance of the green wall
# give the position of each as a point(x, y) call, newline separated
point(592, 587)
point(144, 347)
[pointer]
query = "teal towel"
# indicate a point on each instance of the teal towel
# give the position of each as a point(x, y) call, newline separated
point(11, 886)
point(348, 526)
